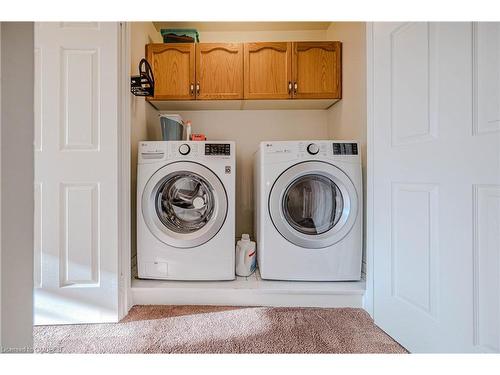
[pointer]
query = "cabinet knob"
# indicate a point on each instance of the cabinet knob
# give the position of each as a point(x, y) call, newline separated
point(197, 88)
point(191, 89)
point(289, 87)
point(295, 87)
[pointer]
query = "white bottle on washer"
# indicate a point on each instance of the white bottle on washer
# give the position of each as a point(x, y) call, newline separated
point(187, 128)
point(245, 256)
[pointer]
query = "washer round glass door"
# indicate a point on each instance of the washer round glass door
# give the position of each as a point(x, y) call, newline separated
point(184, 204)
point(313, 204)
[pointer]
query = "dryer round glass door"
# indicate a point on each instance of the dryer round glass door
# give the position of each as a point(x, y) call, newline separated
point(313, 204)
point(184, 204)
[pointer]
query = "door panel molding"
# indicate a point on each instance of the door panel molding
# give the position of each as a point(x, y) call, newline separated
point(486, 267)
point(80, 207)
point(414, 91)
point(486, 77)
point(80, 95)
point(421, 238)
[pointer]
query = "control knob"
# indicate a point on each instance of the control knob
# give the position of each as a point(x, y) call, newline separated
point(184, 149)
point(313, 148)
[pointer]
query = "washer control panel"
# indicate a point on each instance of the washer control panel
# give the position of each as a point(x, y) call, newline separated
point(345, 149)
point(217, 149)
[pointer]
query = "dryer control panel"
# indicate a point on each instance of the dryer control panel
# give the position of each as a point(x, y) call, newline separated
point(280, 151)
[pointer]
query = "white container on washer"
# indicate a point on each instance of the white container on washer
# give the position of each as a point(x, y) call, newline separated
point(246, 259)
point(187, 128)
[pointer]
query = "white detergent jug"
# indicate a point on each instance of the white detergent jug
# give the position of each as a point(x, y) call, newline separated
point(245, 256)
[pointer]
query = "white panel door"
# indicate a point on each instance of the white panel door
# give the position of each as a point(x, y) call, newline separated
point(436, 206)
point(76, 172)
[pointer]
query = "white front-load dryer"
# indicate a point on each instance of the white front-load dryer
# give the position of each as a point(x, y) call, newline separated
point(186, 210)
point(308, 206)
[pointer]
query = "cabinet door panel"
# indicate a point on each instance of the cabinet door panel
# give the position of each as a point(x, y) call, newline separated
point(219, 71)
point(317, 70)
point(268, 68)
point(173, 68)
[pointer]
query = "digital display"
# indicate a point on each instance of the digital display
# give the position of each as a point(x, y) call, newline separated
point(345, 149)
point(217, 149)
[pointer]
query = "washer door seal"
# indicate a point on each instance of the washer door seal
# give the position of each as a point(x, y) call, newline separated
point(184, 204)
point(313, 204)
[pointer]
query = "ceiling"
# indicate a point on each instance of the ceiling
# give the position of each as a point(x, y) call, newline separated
point(243, 26)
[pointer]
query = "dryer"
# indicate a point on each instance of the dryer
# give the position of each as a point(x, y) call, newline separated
point(308, 206)
point(186, 210)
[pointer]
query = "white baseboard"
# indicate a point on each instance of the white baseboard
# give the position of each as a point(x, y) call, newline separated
point(251, 291)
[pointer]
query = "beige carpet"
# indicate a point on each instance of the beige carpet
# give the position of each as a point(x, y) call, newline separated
point(209, 329)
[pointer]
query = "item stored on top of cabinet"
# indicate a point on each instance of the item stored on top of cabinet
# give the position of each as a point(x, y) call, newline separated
point(180, 35)
point(144, 83)
point(264, 70)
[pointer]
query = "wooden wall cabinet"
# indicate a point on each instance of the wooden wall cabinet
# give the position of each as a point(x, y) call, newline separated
point(219, 71)
point(317, 70)
point(268, 70)
point(264, 70)
point(173, 66)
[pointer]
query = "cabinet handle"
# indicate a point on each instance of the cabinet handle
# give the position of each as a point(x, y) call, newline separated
point(191, 89)
point(295, 87)
point(197, 88)
point(289, 87)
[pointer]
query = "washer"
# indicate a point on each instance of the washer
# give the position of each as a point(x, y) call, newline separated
point(308, 197)
point(186, 210)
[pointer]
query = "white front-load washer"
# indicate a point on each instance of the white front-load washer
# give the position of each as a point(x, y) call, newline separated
point(186, 210)
point(308, 206)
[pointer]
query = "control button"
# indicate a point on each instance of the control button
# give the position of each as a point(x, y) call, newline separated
point(184, 149)
point(313, 148)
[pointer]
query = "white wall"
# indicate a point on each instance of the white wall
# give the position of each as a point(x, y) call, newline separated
point(16, 186)
point(141, 33)
point(347, 118)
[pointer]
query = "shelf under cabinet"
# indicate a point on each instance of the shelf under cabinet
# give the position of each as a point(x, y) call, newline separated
point(201, 105)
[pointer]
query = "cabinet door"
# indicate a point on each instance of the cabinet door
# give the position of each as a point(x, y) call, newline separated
point(219, 71)
point(173, 69)
point(268, 70)
point(317, 70)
